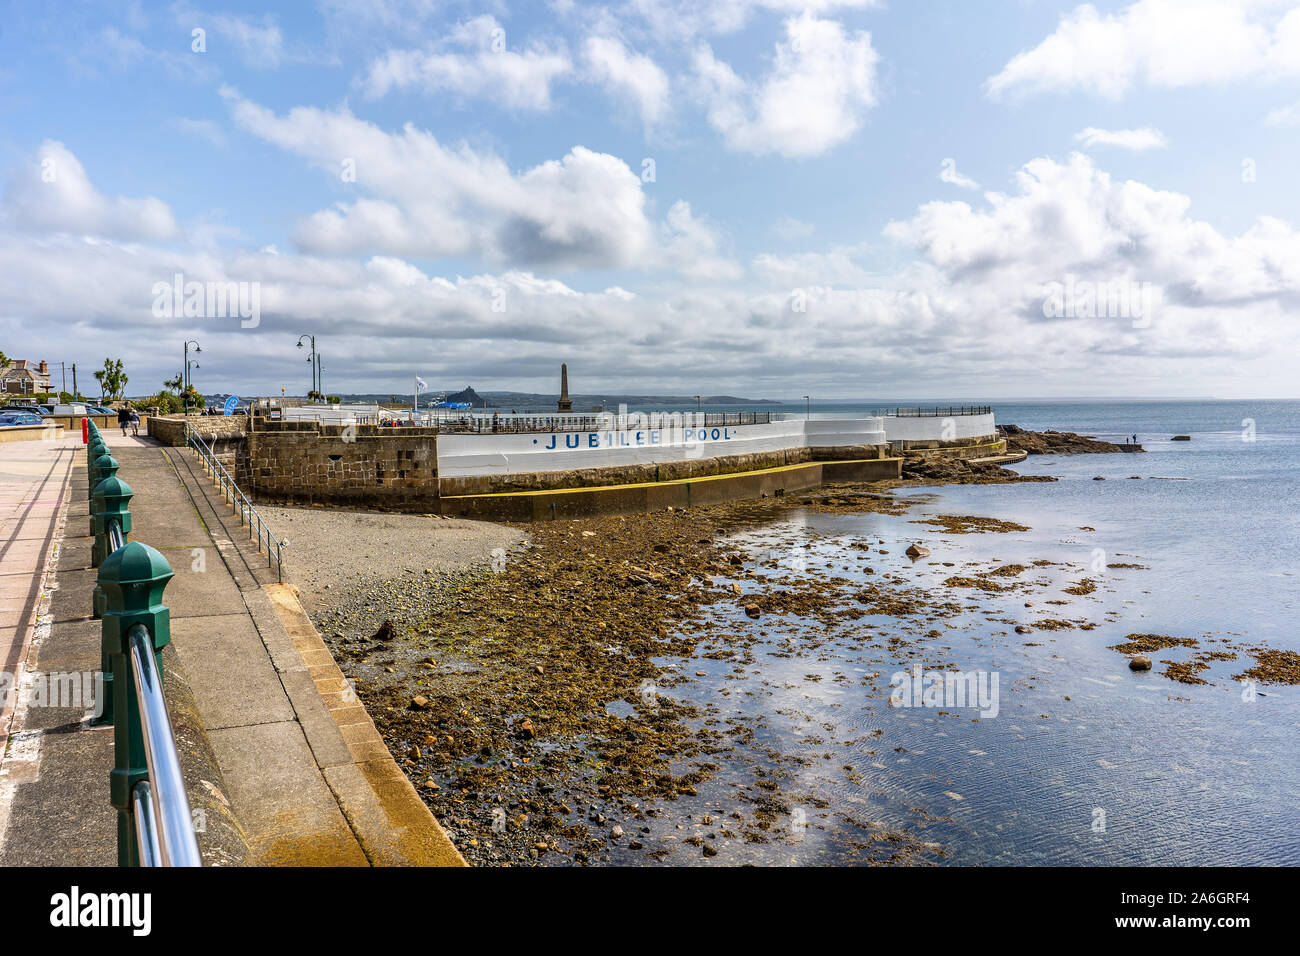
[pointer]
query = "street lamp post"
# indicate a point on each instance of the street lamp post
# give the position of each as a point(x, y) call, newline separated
point(807, 407)
point(315, 383)
point(185, 373)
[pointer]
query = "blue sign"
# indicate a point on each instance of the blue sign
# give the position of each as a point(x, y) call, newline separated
point(231, 404)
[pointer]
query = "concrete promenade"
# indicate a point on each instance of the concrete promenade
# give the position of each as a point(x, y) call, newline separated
point(283, 765)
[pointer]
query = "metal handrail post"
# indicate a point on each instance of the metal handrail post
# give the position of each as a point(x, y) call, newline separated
point(172, 818)
point(136, 626)
point(112, 519)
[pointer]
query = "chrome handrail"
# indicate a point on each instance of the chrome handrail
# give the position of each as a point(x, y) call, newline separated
point(243, 507)
point(115, 539)
point(146, 826)
point(170, 827)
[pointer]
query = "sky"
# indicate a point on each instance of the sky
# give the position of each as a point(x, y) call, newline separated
point(767, 198)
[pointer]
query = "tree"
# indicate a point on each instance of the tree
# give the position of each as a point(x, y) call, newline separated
point(175, 384)
point(112, 379)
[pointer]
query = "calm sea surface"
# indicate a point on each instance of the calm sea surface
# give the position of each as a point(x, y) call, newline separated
point(1085, 762)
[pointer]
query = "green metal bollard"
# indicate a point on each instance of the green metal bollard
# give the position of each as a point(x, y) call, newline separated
point(110, 500)
point(94, 451)
point(106, 466)
point(112, 496)
point(132, 579)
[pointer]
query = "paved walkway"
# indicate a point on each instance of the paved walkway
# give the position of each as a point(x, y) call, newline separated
point(33, 484)
point(33, 481)
point(283, 764)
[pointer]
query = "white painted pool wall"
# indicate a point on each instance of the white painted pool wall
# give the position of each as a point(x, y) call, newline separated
point(471, 456)
point(938, 427)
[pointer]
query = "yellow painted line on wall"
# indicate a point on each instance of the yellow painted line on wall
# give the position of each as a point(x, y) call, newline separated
point(661, 484)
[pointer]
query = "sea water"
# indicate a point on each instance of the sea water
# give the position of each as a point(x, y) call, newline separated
point(1085, 762)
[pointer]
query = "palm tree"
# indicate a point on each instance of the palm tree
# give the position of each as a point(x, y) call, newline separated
point(112, 379)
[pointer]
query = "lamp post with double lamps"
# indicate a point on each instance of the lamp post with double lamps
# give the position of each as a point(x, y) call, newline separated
point(185, 374)
point(315, 379)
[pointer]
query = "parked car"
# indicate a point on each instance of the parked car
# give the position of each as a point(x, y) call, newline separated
point(99, 410)
point(9, 419)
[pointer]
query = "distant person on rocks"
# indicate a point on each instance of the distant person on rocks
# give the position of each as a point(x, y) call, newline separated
point(135, 424)
point(124, 418)
point(1135, 439)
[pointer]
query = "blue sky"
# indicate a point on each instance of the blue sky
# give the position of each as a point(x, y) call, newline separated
point(850, 198)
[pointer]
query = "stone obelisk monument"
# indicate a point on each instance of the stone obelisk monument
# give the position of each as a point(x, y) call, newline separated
point(565, 404)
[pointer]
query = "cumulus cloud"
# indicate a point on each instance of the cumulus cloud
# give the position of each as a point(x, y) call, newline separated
point(1137, 140)
point(424, 198)
point(691, 246)
point(822, 82)
point(1284, 116)
point(52, 193)
point(1164, 43)
point(948, 174)
point(632, 75)
point(474, 61)
point(678, 20)
point(1071, 222)
point(971, 289)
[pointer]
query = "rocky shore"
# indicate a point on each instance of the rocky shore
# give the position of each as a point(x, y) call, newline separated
point(1056, 443)
point(541, 684)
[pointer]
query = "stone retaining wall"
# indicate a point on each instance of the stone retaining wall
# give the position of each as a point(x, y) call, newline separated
point(170, 430)
point(360, 466)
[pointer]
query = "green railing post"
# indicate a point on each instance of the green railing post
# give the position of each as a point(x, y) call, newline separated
point(94, 451)
point(132, 579)
point(112, 496)
point(110, 502)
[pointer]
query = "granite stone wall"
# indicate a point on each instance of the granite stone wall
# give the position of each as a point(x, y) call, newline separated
point(362, 466)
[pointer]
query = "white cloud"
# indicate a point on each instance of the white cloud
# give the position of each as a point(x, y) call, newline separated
point(1284, 116)
point(633, 75)
point(1137, 140)
point(423, 198)
point(691, 246)
point(1073, 219)
point(973, 294)
point(490, 68)
point(1163, 43)
point(685, 20)
point(52, 193)
point(839, 267)
point(948, 174)
point(821, 84)
point(258, 44)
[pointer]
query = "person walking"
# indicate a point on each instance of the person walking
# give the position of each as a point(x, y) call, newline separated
point(135, 424)
point(124, 417)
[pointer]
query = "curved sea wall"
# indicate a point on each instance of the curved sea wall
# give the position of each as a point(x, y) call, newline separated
point(495, 463)
point(938, 428)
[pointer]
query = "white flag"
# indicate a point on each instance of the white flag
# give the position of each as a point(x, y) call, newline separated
point(419, 384)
